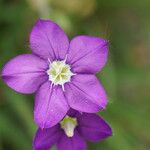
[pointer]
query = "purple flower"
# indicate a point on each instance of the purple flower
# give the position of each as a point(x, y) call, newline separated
point(61, 73)
point(73, 132)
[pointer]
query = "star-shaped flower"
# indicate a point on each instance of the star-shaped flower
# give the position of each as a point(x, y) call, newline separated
point(62, 74)
point(73, 132)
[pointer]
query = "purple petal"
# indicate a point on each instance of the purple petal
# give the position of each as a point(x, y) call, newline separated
point(50, 105)
point(86, 94)
point(48, 40)
point(87, 54)
point(46, 138)
point(74, 143)
point(25, 73)
point(72, 112)
point(93, 128)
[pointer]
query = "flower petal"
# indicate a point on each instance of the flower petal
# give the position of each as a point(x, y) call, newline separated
point(50, 105)
point(74, 143)
point(46, 138)
point(87, 54)
point(71, 112)
point(93, 128)
point(48, 40)
point(85, 90)
point(25, 73)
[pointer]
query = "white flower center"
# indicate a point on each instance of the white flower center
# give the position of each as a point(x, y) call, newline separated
point(59, 73)
point(68, 124)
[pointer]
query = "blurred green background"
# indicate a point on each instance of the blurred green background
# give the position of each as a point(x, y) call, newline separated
point(126, 77)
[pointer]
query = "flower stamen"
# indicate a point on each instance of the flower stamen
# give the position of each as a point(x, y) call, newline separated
point(68, 124)
point(59, 72)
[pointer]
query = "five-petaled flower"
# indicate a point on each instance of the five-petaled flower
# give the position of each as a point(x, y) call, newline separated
point(61, 73)
point(73, 132)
